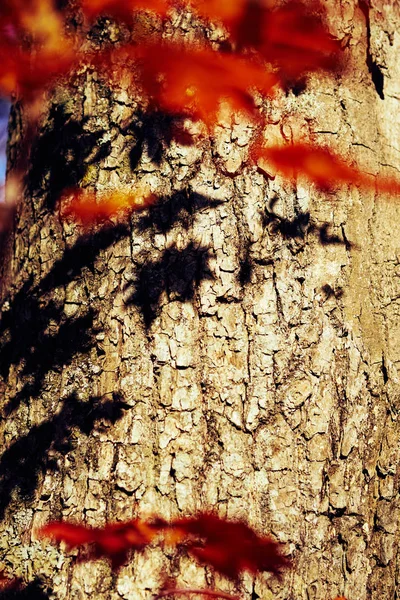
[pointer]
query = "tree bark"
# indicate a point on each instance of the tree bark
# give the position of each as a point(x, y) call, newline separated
point(235, 347)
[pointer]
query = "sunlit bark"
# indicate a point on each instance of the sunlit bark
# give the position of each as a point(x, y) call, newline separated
point(235, 346)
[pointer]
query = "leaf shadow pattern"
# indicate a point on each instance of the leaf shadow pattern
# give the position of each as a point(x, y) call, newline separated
point(61, 154)
point(27, 458)
point(177, 208)
point(60, 157)
point(329, 292)
point(25, 328)
point(177, 272)
point(301, 226)
point(34, 590)
point(155, 130)
point(82, 254)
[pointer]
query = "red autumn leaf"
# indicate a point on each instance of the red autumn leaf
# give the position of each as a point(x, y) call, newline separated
point(113, 541)
point(192, 79)
point(26, 76)
point(229, 546)
point(227, 11)
point(72, 535)
point(9, 583)
point(322, 167)
point(28, 69)
point(122, 10)
point(318, 164)
point(88, 207)
point(295, 39)
point(292, 37)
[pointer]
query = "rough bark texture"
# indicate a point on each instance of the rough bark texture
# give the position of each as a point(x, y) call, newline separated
point(236, 347)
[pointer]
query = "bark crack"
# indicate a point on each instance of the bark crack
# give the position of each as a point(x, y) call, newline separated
point(373, 67)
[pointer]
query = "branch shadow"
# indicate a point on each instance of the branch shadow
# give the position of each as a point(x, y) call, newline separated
point(26, 459)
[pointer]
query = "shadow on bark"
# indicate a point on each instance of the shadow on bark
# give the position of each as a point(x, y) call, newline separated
point(34, 590)
point(178, 208)
point(27, 459)
point(301, 226)
point(37, 337)
point(53, 352)
point(36, 333)
point(82, 254)
point(176, 272)
point(62, 153)
point(155, 131)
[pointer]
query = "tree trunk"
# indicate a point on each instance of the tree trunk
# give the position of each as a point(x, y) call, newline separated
point(235, 347)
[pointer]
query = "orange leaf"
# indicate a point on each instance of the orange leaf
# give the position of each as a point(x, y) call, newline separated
point(192, 79)
point(295, 39)
point(27, 70)
point(227, 11)
point(292, 37)
point(321, 166)
point(27, 76)
point(89, 207)
point(123, 10)
point(72, 535)
point(317, 164)
point(113, 541)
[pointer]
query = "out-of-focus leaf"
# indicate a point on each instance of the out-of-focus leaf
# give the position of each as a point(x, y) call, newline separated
point(185, 78)
point(88, 207)
point(229, 546)
point(123, 9)
point(293, 37)
point(113, 541)
point(322, 167)
point(9, 584)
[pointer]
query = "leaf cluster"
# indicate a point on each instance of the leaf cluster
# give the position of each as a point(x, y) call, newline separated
point(268, 46)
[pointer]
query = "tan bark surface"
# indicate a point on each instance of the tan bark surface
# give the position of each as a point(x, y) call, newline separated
point(235, 347)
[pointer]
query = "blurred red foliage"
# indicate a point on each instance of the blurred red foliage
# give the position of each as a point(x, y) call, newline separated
point(9, 584)
point(321, 166)
point(87, 207)
point(230, 547)
point(204, 78)
point(114, 541)
point(181, 77)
